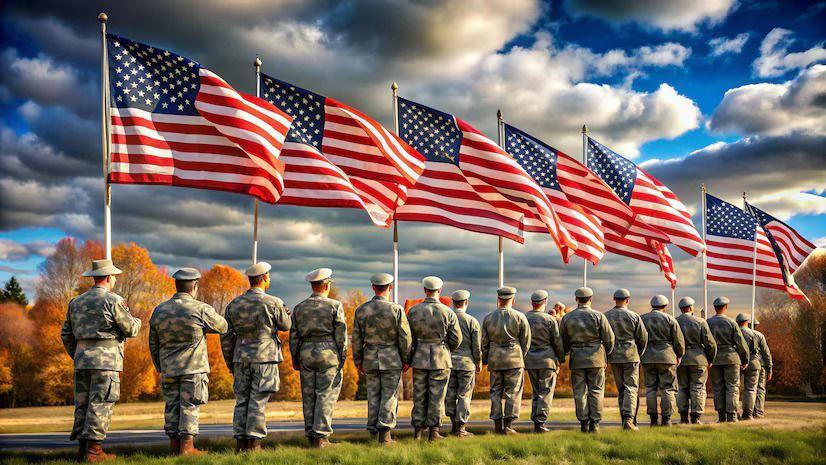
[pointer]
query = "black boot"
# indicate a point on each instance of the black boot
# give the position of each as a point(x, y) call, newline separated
point(497, 427)
point(417, 433)
point(666, 420)
point(721, 416)
point(583, 426)
point(695, 419)
point(593, 426)
point(655, 420)
point(731, 418)
point(684, 418)
point(454, 424)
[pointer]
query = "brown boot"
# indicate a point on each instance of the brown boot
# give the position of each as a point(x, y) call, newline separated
point(81, 450)
point(666, 420)
point(313, 443)
point(417, 433)
point(628, 424)
point(461, 432)
point(324, 443)
point(385, 439)
point(539, 427)
point(507, 427)
point(374, 435)
point(95, 453)
point(188, 446)
point(254, 445)
point(497, 427)
point(240, 445)
point(433, 434)
point(593, 426)
point(174, 444)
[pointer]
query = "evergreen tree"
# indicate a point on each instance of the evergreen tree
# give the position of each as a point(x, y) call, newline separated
point(14, 293)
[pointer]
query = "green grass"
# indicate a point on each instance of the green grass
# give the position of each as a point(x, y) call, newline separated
point(704, 445)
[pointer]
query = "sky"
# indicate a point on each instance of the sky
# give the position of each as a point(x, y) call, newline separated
point(727, 93)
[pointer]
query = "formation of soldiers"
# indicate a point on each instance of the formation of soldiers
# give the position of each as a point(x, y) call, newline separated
point(445, 347)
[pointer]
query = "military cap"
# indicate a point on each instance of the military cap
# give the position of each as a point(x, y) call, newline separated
point(686, 302)
point(187, 274)
point(102, 268)
point(583, 292)
point(381, 279)
point(321, 274)
point(258, 269)
point(506, 292)
point(560, 304)
point(720, 301)
point(742, 318)
point(460, 295)
point(539, 295)
point(755, 322)
point(622, 294)
point(432, 283)
point(659, 300)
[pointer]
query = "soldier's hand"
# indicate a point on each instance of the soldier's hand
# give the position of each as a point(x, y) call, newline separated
point(360, 369)
point(710, 365)
point(769, 376)
point(679, 359)
point(744, 366)
point(478, 368)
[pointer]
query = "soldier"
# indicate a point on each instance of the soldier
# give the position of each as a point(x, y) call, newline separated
point(750, 376)
point(588, 337)
point(381, 351)
point(666, 347)
point(252, 351)
point(318, 345)
point(467, 361)
point(692, 373)
point(436, 333)
point(543, 360)
point(97, 323)
point(177, 343)
point(631, 339)
point(732, 353)
point(558, 310)
point(765, 371)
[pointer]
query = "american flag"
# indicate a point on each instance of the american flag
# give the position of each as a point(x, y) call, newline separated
point(336, 156)
point(789, 245)
point(176, 123)
point(471, 183)
point(730, 240)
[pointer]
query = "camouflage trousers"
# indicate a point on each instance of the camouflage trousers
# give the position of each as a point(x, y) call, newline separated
point(751, 378)
point(319, 393)
point(506, 388)
point(96, 392)
point(691, 397)
point(183, 396)
point(543, 382)
point(725, 382)
point(382, 399)
point(589, 392)
point(429, 390)
point(459, 392)
point(253, 383)
point(760, 403)
point(627, 379)
point(662, 378)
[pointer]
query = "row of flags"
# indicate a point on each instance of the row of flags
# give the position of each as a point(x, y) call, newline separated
point(175, 122)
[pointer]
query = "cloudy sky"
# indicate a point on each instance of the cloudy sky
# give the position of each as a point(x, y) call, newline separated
point(728, 93)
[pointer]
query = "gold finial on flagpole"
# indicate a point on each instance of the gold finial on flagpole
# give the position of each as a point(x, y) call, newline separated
point(585, 129)
point(499, 114)
point(703, 186)
point(257, 63)
point(102, 17)
point(394, 87)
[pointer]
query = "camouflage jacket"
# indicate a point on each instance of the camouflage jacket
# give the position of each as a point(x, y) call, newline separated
point(177, 335)
point(665, 339)
point(700, 348)
point(546, 349)
point(731, 347)
point(587, 336)
point(318, 336)
point(96, 325)
point(253, 321)
point(630, 335)
point(765, 353)
point(468, 355)
point(381, 335)
point(506, 338)
point(436, 333)
point(753, 343)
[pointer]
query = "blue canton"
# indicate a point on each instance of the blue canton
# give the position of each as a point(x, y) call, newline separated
point(151, 79)
point(613, 168)
point(726, 220)
point(431, 132)
point(307, 109)
point(536, 158)
point(763, 219)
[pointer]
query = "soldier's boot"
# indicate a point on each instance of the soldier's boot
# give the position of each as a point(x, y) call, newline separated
point(684, 418)
point(313, 442)
point(593, 427)
point(655, 420)
point(539, 427)
point(666, 420)
point(324, 443)
point(95, 453)
point(81, 449)
point(385, 439)
point(417, 433)
point(507, 427)
point(497, 427)
point(628, 424)
point(374, 435)
point(695, 419)
point(240, 445)
point(461, 432)
point(731, 418)
point(188, 446)
point(721, 416)
point(433, 434)
point(254, 445)
point(757, 415)
point(174, 444)
point(583, 426)
point(453, 424)
point(746, 416)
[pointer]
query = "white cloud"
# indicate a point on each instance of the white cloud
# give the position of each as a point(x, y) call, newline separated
point(684, 15)
point(775, 59)
point(820, 241)
point(723, 45)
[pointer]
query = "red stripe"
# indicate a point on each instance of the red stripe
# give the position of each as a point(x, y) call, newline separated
point(249, 189)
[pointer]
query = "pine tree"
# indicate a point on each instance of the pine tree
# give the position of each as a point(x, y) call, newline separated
point(14, 293)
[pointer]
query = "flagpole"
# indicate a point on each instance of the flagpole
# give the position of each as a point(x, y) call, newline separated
point(104, 130)
point(705, 254)
point(257, 64)
point(753, 268)
point(585, 163)
point(673, 302)
point(499, 129)
point(395, 88)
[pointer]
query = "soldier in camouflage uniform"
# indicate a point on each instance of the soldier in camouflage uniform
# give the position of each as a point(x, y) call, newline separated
point(97, 323)
point(666, 347)
point(252, 351)
point(318, 344)
point(467, 361)
point(631, 339)
point(381, 351)
point(732, 354)
point(177, 343)
point(543, 359)
point(436, 333)
point(588, 337)
point(692, 373)
point(750, 376)
point(765, 372)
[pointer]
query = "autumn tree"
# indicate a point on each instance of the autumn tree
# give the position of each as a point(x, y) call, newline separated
point(13, 292)
point(220, 285)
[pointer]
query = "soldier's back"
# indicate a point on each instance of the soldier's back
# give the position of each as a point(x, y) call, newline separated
point(693, 330)
point(180, 327)
point(430, 323)
point(753, 344)
point(256, 319)
point(624, 323)
point(724, 330)
point(661, 329)
point(90, 314)
point(465, 356)
point(97, 323)
point(376, 335)
point(319, 332)
point(581, 330)
point(504, 327)
point(544, 339)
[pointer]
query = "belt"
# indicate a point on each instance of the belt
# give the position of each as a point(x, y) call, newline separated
point(99, 342)
point(506, 344)
point(380, 344)
point(432, 341)
point(585, 344)
point(693, 347)
point(318, 339)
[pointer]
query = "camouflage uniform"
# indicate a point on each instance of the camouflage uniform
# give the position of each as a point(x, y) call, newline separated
point(177, 343)
point(725, 370)
point(96, 325)
point(465, 359)
point(665, 346)
point(436, 332)
point(692, 373)
point(588, 337)
point(506, 338)
point(381, 346)
point(252, 350)
point(750, 377)
point(542, 362)
point(766, 369)
point(631, 339)
point(318, 344)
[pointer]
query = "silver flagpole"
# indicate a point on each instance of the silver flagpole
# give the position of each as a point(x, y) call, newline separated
point(257, 64)
point(499, 131)
point(105, 138)
point(673, 302)
point(585, 162)
point(753, 268)
point(705, 255)
point(395, 88)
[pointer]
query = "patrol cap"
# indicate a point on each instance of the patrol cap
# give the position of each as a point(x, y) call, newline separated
point(539, 295)
point(506, 292)
point(622, 294)
point(381, 279)
point(741, 318)
point(720, 301)
point(187, 274)
point(460, 295)
point(583, 292)
point(102, 268)
point(560, 304)
point(659, 300)
point(321, 274)
point(258, 269)
point(686, 302)
point(432, 283)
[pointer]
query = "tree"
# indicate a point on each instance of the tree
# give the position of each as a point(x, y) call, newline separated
point(60, 275)
point(350, 374)
point(220, 285)
point(14, 293)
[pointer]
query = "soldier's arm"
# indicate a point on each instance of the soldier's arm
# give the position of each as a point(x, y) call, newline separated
point(357, 342)
point(228, 341)
point(766, 355)
point(340, 328)
point(405, 338)
point(742, 348)
point(476, 343)
point(485, 343)
point(213, 322)
point(525, 335)
point(641, 335)
point(678, 339)
point(68, 336)
point(710, 345)
point(566, 340)
point(454, 332)
point(128, 325)
point(556, 340)
point(154, 346)
point(281, 320)
point(607, 334)
point(295, 350)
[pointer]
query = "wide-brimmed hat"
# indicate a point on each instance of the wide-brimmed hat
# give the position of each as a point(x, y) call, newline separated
point(102, 268)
